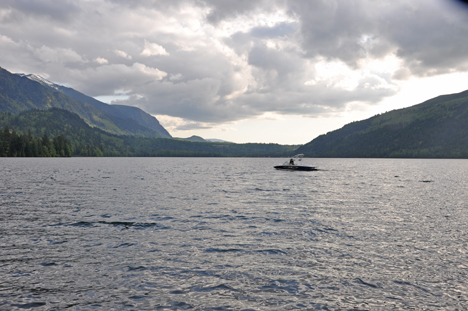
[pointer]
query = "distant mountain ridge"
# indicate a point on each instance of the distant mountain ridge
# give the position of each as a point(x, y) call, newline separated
point(436, 128)
point(20, 92)
point(201, 139)
point(121, 111)
point(193, 138)
point(91, 141)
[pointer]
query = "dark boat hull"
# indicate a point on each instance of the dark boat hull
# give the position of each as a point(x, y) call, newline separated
point(295, 168)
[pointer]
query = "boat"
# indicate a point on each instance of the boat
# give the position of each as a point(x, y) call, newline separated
point(293, 165)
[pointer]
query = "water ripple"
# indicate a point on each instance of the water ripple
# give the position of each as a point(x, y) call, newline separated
point(232, 234)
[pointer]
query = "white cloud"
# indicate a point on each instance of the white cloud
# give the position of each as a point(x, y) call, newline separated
point(213, 62)
point(155, 72)
point(58, 55)
point(101, 60)
point(122, 54)
point(6, 40)
point(152, 49)
point(175, 124)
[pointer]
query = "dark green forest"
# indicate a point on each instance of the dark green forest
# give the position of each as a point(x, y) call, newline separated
point(18, 94)
point(87, 141)
point(13, 144)
point(39, 121)
point(437, 128)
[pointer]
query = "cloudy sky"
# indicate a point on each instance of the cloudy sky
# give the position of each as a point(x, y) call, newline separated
point(282, 71)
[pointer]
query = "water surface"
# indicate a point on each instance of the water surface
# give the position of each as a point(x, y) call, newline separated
point(233, 234)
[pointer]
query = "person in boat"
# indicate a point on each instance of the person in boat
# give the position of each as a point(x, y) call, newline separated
point(291, 162)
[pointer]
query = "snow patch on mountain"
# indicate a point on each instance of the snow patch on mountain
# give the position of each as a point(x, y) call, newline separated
point(39, 79)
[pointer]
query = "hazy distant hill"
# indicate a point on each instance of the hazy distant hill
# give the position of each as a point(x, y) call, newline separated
point(437, 128)
point(201, 139)
point(193, 138)
point(19, 93)
point(216, 140)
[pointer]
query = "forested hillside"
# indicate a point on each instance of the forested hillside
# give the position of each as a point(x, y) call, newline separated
point(19, 93)
point(87, 141)
point(27, 145)
point(437, 128)
point(128, 113)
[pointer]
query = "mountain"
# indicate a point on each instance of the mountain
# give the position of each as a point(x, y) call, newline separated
point(437, 128)
point(84, 140)
point(215, 140)
point(201, 139)
point(143, 118)
point(91, 141)
point(120, 111)
point(19, 93)
point(193, 138)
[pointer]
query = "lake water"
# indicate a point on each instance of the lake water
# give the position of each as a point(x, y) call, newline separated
point(233, 234)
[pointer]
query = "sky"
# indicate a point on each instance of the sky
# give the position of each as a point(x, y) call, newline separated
point(269, 71)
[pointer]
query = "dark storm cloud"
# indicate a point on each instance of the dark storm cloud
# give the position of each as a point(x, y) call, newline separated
point(226, 9)
point(461, 3)
point(333, 29)
point(279, 30)
point(430, 48)
point(61, 10)
point(426, 35)
point(215, 61)
point(160, 5)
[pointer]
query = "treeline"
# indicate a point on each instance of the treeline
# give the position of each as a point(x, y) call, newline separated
point(13, 144)
point(437, 128)
point(89, 141)
point(430, 138)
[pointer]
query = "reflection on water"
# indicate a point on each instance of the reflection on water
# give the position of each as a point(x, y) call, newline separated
point(232, 234)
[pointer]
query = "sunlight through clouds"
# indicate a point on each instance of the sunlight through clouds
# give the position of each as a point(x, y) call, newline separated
point(214, 63)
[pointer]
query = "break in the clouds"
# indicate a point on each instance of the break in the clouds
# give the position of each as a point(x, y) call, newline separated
point(216, 61)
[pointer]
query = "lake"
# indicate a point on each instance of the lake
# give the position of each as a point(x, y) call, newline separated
point(233, 234)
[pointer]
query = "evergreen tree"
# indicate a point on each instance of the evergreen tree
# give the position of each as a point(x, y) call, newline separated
point(13, 144)
point(6, 142)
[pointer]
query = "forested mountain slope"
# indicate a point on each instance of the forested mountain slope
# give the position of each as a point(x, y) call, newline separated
point(88, 141)
point(19, 93)
point(437, 128)
point(120, 111)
